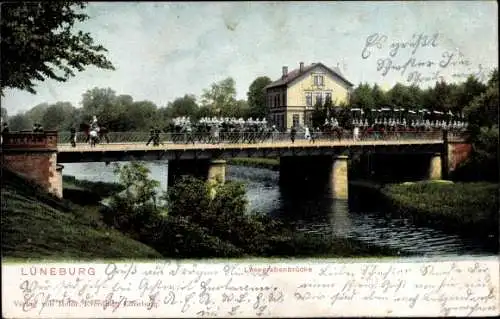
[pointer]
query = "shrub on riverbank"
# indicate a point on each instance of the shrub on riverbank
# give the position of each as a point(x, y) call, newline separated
point(268, 163)
point(207, 220)
point(464, 207)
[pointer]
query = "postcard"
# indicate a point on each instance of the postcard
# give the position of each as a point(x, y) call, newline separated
point(249, 159)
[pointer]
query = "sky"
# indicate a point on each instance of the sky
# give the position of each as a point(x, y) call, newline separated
point(163, 50)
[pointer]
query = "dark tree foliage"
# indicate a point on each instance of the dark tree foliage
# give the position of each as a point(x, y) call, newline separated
point(37, 42)
point(256, 97)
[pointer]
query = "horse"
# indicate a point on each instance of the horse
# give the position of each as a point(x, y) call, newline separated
point(101, 131)
point(333, 131)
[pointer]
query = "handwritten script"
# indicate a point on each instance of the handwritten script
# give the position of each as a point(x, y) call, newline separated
point(328, 288)
point(419, 59)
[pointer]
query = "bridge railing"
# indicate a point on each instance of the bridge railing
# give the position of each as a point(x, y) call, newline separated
point(258, 137)
point(30, 140)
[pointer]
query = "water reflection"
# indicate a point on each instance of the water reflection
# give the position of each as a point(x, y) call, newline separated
point(312, 209)
point(340, 218)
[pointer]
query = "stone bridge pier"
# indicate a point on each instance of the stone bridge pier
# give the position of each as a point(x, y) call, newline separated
point(316, 173)
point(330, 174)
point(214, 169)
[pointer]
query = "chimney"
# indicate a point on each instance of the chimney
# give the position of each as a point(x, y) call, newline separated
point(301, 68)
point(285, 71)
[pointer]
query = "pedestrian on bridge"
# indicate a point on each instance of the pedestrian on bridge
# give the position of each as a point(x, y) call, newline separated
point(5, 130)
point(293, 132)
point(307, 134)
point(72, 137)
point(152, 135)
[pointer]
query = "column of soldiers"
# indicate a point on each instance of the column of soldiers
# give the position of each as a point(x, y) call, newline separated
point(219, 129)
point(389, 123)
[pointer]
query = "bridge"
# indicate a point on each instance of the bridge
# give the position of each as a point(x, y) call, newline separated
point(39, 155)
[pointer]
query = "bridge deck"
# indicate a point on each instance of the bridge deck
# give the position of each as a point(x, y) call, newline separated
point(140, 146)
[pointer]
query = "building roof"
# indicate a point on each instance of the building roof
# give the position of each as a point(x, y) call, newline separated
point(294, 74)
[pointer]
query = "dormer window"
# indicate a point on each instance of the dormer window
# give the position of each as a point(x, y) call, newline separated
point(318, 80)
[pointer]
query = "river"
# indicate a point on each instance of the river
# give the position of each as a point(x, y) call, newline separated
point(314, 212)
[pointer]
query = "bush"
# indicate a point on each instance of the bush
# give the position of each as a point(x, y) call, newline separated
point(463, 207)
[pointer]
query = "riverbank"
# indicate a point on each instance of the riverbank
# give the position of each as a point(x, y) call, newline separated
point(297, 244)
point(467, 208)
point(88, 193)
point(268, 163)
point(36, 225)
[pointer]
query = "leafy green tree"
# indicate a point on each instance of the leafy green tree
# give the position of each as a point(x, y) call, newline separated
point(141, 115)
point(482, 115)
point(318, 115)
point(59, 116)
point(470, 89)
point(35, 114)
point(441, 96)
point(102, 102)
point(220, 97)
point(183, 106)
point(483, 110)
point(362, 97)
point(379, 97)
point(4, 113)
point(37, 41)
point(256, 97)
point(400, 96)
point(19, 122)
point(135, 209)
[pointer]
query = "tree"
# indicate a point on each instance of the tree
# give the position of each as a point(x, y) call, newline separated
point(483, 110)
point(220, 97)
point(362, 97)
point(400, 96)
point(35, 114)
point(4, 114)
point(141, 115)
point(19, 122)
point(482, 115)
point(379, 96)
point(37, 41)
point(135, 209)
point(58, 116)
point(470, 89)
point(256, 97)
point(103, 104)
point(183, 106)
point(318, 115)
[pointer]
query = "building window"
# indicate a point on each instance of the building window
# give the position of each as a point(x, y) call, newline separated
point(309, 99)
point(319, 98)
point(308, 119)
point(283, 98)
point(295, 120)
point(318, 80)
point(328, 97)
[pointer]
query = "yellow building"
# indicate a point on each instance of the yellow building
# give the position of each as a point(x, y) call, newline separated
point(291, 99)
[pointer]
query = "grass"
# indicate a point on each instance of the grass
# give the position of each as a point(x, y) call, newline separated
point(268, 163)
point(37, 225)
point(466, 207)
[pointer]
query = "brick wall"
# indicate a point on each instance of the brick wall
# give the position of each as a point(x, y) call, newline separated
point(457, 154)
point(40, 167)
